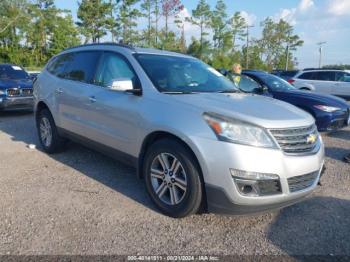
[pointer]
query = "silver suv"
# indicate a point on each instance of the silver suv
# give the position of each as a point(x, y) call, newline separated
point(332, 82)
point(198, 142)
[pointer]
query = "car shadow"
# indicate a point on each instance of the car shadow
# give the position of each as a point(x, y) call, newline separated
point(337, 153)
point(101, 168)
point(343, 134)
point(293, 233)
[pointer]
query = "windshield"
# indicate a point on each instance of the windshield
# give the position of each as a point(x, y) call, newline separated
point(183, 74)
point(275, 83)
point(12, 72)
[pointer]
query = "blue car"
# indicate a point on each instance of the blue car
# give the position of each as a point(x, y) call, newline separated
point(331, 113)
point(16, 88)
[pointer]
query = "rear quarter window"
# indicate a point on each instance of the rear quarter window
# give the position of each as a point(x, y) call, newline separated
point(307, 76)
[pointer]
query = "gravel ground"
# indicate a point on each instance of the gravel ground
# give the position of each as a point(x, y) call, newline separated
point(80, 202)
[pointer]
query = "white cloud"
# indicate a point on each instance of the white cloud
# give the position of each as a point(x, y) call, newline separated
point(305, 5)
point(339, 7)
point(288, 15)
point(249, 18)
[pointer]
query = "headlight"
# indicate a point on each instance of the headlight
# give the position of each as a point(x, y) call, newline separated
point(239, 132)
point(2, 92)
point(328, 109)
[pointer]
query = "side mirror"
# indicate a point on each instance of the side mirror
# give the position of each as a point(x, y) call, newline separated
point(124, 85)
point(121, 85)
point(264, 89)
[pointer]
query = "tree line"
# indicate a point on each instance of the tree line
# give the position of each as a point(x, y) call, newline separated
point(31, 31)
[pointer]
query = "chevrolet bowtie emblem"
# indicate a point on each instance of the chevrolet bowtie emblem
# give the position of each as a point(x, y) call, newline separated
point(311, 139)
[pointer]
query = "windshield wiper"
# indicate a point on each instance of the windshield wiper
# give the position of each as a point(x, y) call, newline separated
point(229, 91)
point(179, 92)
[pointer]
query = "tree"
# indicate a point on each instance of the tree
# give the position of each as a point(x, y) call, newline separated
point(219, 26)
point(126, 21)
point(170, 8)
point(148, 7)
point(64, 33)
point(201, 18)
point(94, 19)
point(276, 36)
point(237, 26)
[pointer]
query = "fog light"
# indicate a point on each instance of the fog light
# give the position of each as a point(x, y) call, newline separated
point(256, 184)
point(1, 100)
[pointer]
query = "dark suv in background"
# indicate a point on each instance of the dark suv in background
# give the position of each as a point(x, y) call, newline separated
point(16, 88)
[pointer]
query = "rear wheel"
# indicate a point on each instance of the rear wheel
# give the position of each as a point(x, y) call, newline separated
point(173, 179)
point(48, 134)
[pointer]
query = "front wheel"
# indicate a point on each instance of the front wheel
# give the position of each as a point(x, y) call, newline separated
point(173, 179)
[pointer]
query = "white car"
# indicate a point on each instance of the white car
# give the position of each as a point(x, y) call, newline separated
point(333, 82)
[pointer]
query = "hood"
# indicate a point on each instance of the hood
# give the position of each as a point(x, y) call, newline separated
point(12, 83)
point(316, 98)
point(263, 111)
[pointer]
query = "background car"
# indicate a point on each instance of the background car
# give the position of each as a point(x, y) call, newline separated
point(16, 88)
point(334, 82)
point(286, 75)
point(331, 113)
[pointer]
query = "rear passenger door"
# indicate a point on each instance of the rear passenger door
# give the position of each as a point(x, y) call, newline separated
point(325, 81)
point(75, 92)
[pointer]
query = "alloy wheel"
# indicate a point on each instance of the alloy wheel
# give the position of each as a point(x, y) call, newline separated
point(168, 178)
point(45, 131)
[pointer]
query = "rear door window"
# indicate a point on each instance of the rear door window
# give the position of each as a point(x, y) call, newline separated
point(325, 76)
point(82, 66)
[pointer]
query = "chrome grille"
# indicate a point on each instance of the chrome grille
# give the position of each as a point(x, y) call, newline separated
point(297, 140)
point(298, 183)
point(13, 92)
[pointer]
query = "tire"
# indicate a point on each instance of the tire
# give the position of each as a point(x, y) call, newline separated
point(305, 89)
point(183, 196)
point(53, 142)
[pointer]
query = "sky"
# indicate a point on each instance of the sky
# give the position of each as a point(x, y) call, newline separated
point(314, 21)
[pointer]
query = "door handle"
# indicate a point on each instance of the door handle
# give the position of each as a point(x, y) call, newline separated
point(92, 99)
point(58, 91)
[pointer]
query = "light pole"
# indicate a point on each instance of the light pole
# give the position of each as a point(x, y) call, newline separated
point(320, 44)
point(247, 51)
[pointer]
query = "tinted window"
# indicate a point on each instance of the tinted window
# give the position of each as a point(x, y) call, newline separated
point(325, 76)
point(82, 66)
point(342, 77)
point(113, 67)
point(12, 72)
point(58, 64)
point(183, 74)
point(307, 76)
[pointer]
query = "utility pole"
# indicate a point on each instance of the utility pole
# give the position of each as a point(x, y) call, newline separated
point(287, 57)
point(320, 44)
point(247, 51)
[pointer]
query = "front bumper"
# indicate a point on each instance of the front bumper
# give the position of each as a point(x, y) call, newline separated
point(217, 158)
point(16, 103)
point(329, 122)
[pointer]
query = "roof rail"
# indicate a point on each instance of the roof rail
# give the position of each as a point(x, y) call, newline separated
point(102, 44)
point(322, 69)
